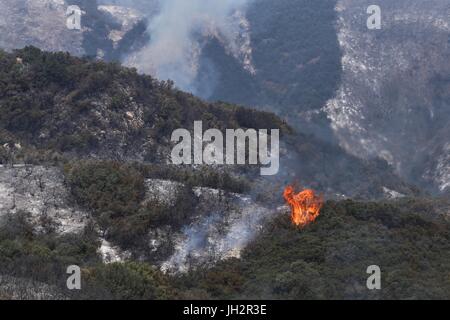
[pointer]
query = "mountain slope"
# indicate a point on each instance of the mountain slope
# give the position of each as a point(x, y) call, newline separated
point(329, 259)
point(107, 32)
point(296, 58)
point(326, 260)
point(52, 102)
point(394, 98)
point(290, 57)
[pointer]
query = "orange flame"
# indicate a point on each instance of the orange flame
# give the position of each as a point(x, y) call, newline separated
point(305, 205)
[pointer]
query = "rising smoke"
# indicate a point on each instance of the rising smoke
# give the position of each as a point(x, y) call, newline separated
point(180, 30)
point(217, 236)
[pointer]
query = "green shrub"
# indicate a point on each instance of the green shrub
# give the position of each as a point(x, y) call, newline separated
point(106, 187)
point(329, 258)
point(129, 281)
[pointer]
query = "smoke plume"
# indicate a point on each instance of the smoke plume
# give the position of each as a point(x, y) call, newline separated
point(217, 236)
point(178, 33)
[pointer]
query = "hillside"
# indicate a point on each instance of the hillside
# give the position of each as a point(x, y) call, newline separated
point(408, 239)
point(58, 107)
point(295, 54)
point(67, 104)
point(393, 101)
point(86, 118)
point(376, 93)
point(108, 32)
point(85, 180)
point(315, 64)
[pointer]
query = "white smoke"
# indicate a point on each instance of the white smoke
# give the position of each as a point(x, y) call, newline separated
point(178, 33)
point(217, 236)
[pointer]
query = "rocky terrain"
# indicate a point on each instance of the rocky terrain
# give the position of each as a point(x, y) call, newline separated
point(39, 192)
point(394, 97)
point(24, 289)
point(391, 98)
point(224, 222)
point(43, 23)
point(39, 23)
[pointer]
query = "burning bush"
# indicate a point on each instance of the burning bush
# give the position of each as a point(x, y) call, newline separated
point(305, 205)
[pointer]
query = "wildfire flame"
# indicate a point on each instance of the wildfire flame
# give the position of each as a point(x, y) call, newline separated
point(305, 205)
